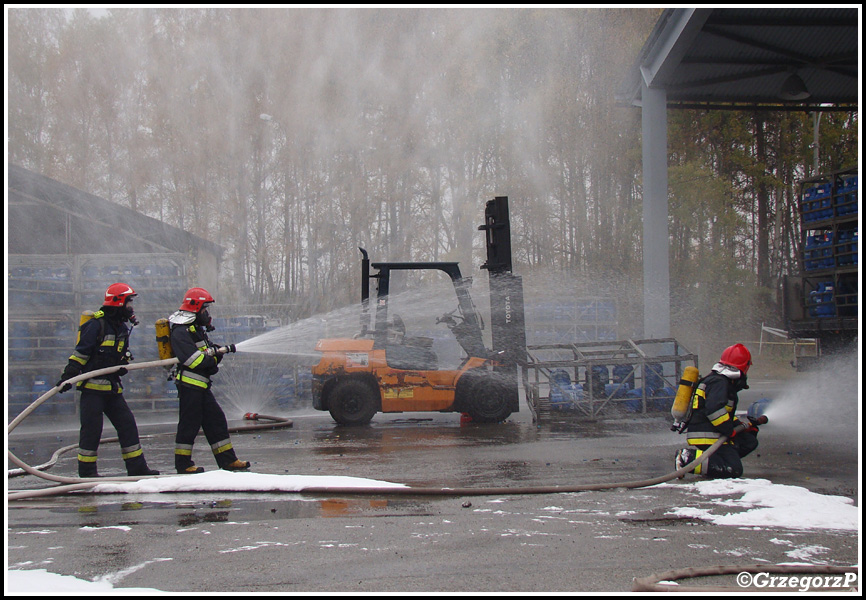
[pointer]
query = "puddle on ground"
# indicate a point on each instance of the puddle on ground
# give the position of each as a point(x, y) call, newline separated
point(188, 513)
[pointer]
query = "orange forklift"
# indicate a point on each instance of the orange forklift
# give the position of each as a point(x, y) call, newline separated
point(383, 370)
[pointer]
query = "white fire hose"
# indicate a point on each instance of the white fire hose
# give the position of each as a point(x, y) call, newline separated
point(650, 583)
point(76, 483)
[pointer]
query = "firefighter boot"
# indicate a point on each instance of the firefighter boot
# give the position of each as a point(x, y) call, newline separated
point(137, 467)
point(684, 457)
point(237, 465)
point(190, 470)
point(87, 469)
point(185, 465)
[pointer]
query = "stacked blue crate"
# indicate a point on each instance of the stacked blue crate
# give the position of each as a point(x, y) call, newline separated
point(45, 342)
point(818, 253)
point(286, 391)
point(46, 286)
point(40, 386)
point(20, 388)
point(817, 203)
point(20, 343)
point(846, 248)
point(821, 300)
point(304, 385)
point(846, 197)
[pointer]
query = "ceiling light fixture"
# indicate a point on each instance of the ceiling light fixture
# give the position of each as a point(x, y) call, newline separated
point(794, 88)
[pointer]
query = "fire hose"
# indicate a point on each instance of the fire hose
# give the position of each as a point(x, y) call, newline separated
point(78, 483)
point(419, 491)
point(75, 484)
point(645, 584)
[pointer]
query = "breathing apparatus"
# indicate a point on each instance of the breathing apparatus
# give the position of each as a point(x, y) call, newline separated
point(163, 339)
point(681, 409)
point(86, 316)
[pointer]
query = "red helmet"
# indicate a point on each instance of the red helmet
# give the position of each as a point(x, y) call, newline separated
point(195, 299)
point(117, 294)
point(737, 356)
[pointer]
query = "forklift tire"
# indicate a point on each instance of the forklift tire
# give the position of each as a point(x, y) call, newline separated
point(352, 402)
point(488, 402)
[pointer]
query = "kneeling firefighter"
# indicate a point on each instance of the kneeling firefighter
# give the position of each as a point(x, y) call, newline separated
point(713, 409)
point(103, 341)
point(198, 361)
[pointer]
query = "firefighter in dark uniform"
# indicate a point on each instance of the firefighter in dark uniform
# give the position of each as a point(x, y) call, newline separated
point(104, 342)
point(714, 408)
point(198, 361)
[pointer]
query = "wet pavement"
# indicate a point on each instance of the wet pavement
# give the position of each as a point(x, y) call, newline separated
point(282, 542)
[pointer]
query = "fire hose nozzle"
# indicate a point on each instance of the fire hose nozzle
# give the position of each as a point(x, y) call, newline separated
point(251, 416)
point(762, 420)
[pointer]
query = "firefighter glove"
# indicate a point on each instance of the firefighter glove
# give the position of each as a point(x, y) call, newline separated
point(122, 371)
point(72, 369)
point(753, 424)
point(66, 386)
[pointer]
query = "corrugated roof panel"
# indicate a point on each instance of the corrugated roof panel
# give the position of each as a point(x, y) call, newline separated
point(744, 55)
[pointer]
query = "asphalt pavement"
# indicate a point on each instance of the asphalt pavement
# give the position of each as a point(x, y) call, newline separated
point(248, 542)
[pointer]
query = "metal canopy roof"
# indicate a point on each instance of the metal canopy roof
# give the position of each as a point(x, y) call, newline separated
point(740, 58)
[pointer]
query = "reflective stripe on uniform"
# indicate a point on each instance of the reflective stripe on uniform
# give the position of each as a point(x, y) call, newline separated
point(700, 394)
point(221, 446)
point(185, 373)
point(703, 441)
point(183, 449)
point(718, 417)
point(194, 360)
point(697, 470)
point(131, 451)
point(88, 456)
point(100, 385)
point(193, 379)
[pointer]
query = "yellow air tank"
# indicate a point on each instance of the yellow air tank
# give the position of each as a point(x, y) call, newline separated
point(682, 407)
point(163, 339)
point(85, 317)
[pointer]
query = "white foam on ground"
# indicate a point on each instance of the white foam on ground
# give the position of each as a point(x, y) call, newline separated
point(760, 503)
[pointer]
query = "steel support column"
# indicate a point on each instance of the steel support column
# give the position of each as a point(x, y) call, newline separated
point(656, 270)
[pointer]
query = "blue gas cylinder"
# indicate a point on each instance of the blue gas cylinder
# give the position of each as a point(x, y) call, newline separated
point(758, 408)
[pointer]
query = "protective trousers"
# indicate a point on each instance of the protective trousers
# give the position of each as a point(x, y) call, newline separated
point(199, 410)
point(726, 462)
point(113, 406)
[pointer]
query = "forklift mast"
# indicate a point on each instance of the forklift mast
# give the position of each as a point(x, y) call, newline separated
point(508, 325)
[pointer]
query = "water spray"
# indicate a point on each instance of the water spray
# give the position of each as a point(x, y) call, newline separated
point(832, 390)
